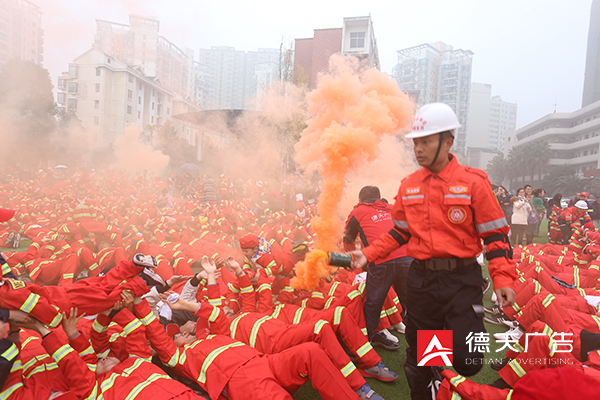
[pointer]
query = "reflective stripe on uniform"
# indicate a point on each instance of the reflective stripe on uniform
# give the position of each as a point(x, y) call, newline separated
point(10, 353)
point(6, 393)
point(337, 315)
point(297, 316)
point(319, 325)
point(234, 324)
point(348, 369)
point(517, 369)
point(364, 349)
point(30, 303)
point(491, 226)
point(400, 224)
point(59, 354)
point(211, 357)
point(255, 329)
point(548, 300)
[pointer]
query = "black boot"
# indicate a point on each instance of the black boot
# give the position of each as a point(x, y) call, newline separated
point(589, 341)
point(418, 381)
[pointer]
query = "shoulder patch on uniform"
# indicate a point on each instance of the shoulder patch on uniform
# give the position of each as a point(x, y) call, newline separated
point(476, 171)
point(16, 285)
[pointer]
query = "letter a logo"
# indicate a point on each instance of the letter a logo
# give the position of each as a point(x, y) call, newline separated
point(434, 348)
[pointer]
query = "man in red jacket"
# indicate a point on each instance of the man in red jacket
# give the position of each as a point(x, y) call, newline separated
point(444, 211)
point(370, 219)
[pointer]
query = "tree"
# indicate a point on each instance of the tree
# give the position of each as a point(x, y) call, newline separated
point(562, 179)
point(528, 159)
point(27, 111)
point(497, 168)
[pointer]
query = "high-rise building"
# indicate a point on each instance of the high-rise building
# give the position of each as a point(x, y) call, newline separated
point(107, 96)
point(21, 33)
point(236, 77)
point(489, 118)
point(139, 45)
point(591, 83)
point(438, 73)
point(356, 38)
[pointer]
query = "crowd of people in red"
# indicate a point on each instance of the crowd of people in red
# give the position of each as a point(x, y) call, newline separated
point(167, 294)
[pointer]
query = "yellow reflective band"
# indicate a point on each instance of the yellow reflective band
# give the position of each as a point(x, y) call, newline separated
point(304, 303)
point(333, 287)
point(128, 371)
point(107, 384)
point(211, 357)
point(277, 311)
point(30, 303)
point(5, 269)
point(353, 294)
point(88, 351)
point(174, 359)
point(59, 354)
point(337, 315)
point(147, 320)
point(97, 327)
point(328, 302)
point(509, 396)
point(255, 329)
point(214, 314)
point(297, 316)
point(455, 396)
point(318, 295)
point(34, 360)
point(67, 276)
point(264, 286)
point(16, 366)
point(234, 324)
point(303, 375)
point(364, 349)
point(576, 276)
point(287, 289)
point(114, 337)
point(516, 367)
point(361, 287)
point(93, 267)
point(232, 288)
point(186, 347)
point(547, 330)
point(548, 300)
point(41, 368)
point(597, 320)
point(247, 289)
point(214, 302)
point(581, 292)
point(516, 307)
point(364, 331)
point(457, 380)
point(133, 325)
point(348, 369)
point(319, 325)
point(151, 379)
point(538, 287)
point(6, 393)
point(382, 314)
point(391, 310)
point(552, 347)
point(10, 353)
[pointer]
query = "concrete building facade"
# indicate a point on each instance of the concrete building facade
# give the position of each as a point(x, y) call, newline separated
point(139, 45)
point(574, 138)
point(591, 84)
point(21, 33)
point(355, 38)
point(439, 73)
point(236, 77)
point(107, 96)
point(489, 119)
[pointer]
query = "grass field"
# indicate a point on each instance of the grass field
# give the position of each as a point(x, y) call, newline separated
point(398, 390)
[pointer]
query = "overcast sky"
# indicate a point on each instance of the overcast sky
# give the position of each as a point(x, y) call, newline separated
point(532, 52)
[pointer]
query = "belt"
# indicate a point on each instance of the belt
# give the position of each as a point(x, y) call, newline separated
point(446, 264)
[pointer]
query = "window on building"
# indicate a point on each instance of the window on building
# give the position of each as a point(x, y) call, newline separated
point(357, 40)
point(152, 120)
point(97, 104)
point(140, 86)
point(72, 87)
point(60, 98)
point(73, 70)
point(129, 95)
point(139, 99)
point(98, 71)
point(139, 114)
point(130, 78)
point(153, 106)
point(62, 84)
point(71, 104)
point(96, 120)
point(97, 88)
point(129, 109)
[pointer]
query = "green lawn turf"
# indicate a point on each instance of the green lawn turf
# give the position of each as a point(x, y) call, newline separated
point(398, 390)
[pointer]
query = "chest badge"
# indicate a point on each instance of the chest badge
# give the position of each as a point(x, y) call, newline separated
point(459, 189)
point(457, 215)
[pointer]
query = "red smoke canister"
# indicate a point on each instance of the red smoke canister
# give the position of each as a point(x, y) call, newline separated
point(343, 260)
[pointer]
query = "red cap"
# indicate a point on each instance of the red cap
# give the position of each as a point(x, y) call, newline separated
point(173, 329)
point(249, 241)
point(6, 214)
point(586, 194)
point(201, 325)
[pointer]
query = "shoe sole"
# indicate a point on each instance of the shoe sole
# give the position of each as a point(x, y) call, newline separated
point(381, 378)
point(10, 238)
point(385, 346)
point(493, 322)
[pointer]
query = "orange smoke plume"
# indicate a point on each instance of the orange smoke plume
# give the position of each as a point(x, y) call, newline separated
point(351, 111)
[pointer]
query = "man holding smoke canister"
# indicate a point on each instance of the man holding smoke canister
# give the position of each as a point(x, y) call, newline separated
point(443, 211)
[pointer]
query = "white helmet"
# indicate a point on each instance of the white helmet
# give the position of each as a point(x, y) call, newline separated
point(433, 118)
point(582, 205)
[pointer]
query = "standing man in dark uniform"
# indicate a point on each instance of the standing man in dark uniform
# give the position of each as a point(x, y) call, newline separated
point(443, 211)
